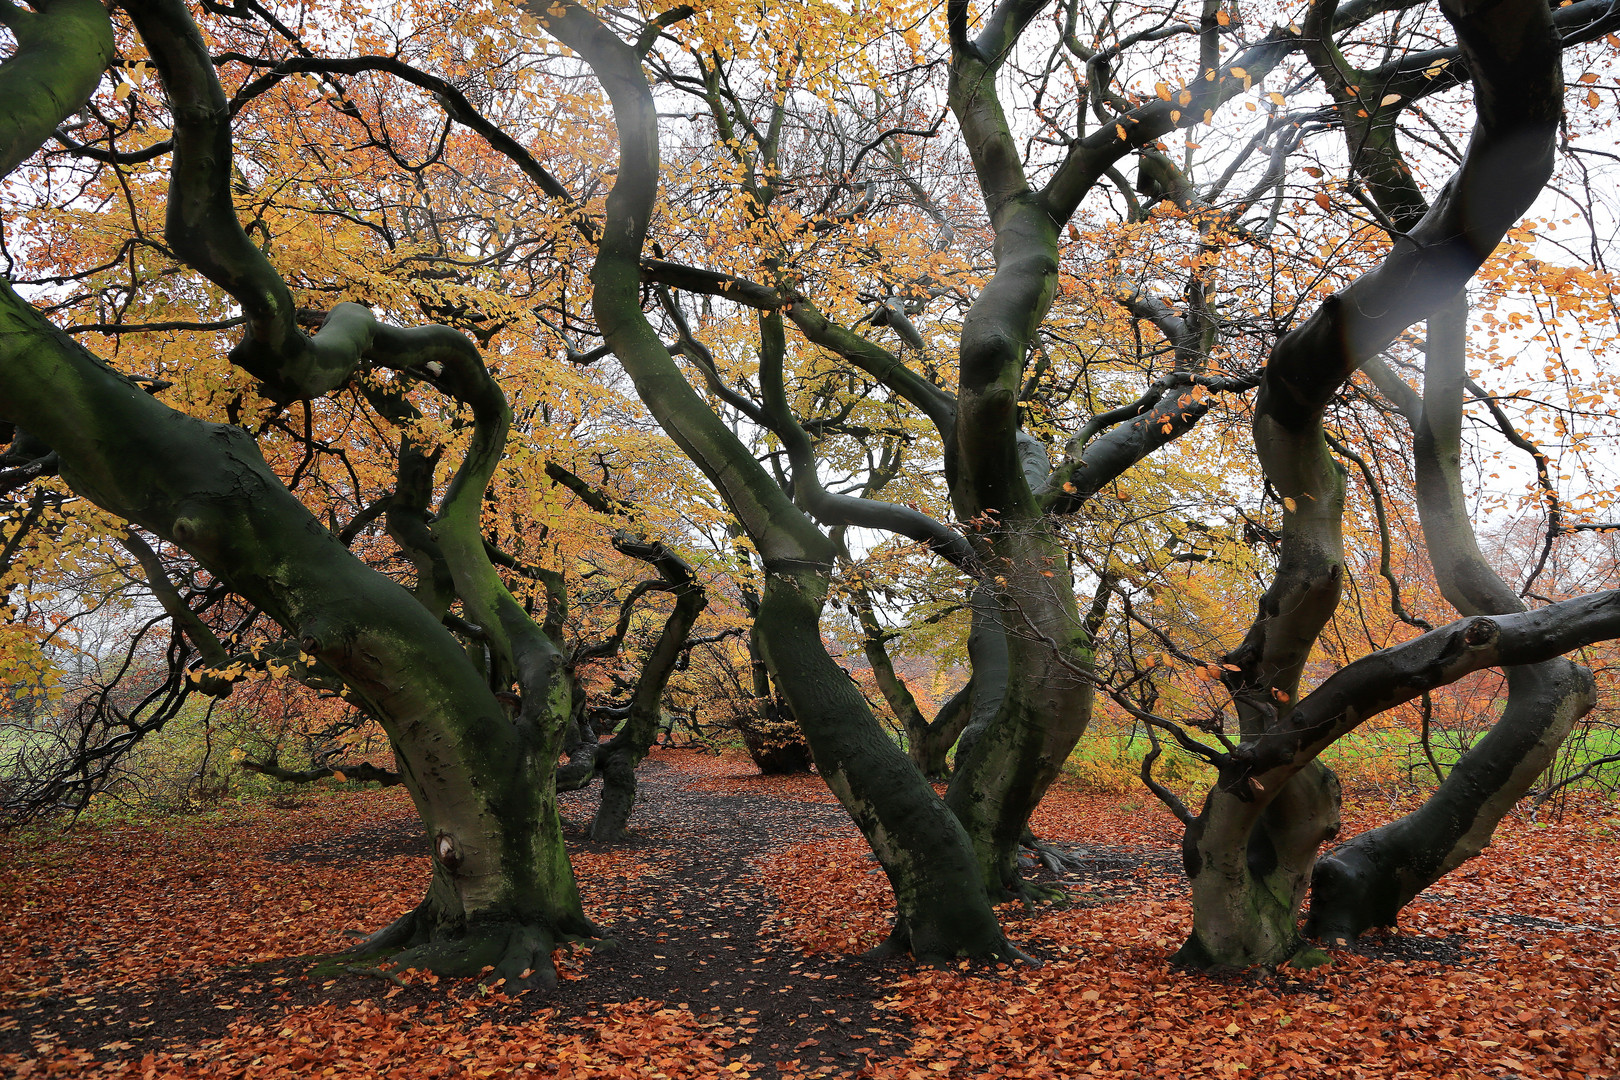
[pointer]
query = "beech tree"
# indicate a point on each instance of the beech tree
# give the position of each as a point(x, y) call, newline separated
point(1251, 850)
point(480, 772)
point(867, 243)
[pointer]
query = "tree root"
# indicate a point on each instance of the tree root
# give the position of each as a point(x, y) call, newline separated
point(375, 973)
point(1194, 956)
point(899, 943)
point(508, 951)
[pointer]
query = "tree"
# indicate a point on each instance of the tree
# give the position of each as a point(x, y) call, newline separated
point(824, 288)
point(1251, 849)
point(502, 893)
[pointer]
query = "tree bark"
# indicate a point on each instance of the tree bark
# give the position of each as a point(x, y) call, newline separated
point(941, 908)
point(617, 759)
point(1004, 769)
point(1366, 882)
point(502, 893)
point(942, 912)
point(928, 742)
point(1512, 51)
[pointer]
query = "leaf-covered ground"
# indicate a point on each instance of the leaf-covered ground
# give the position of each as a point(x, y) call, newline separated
point(171, 949)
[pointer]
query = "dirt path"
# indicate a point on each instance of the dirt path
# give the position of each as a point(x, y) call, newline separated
point(688, 931)
point(685, 918)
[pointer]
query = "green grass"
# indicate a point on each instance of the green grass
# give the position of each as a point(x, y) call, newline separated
point(1393, 759)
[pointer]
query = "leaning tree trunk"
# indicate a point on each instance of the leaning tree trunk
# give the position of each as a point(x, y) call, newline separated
point(1367, 881)
point(502, 893)
point(1249, 853)
point(619, 757)
point(942, 909)
point(1512, 51)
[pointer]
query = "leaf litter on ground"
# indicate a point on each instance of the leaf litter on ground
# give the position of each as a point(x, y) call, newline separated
point(181, 948)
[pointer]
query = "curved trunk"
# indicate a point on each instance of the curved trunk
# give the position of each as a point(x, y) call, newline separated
point(1248, 865)
point(1003, 773)
point(626, 750)
point(927, 742)
point(1366, 882)
point(1249, 854)
point(1512, 52)
point(481, 782)
point(942, 911)
point(929, 746)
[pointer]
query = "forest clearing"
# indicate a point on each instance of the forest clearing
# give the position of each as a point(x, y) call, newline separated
point(167, 949)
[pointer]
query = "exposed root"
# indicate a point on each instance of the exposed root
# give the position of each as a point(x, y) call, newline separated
point(511, 952)
point(1055, 859)
point(518, 955)
point(900, 943)
point(1031, 894)
point(1307, 957)
point(374, 973)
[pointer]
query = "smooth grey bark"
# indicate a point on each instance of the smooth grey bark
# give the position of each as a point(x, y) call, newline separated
point(1005, 768)
point(1366, 882)
point(1240, 915)
point(943, 911)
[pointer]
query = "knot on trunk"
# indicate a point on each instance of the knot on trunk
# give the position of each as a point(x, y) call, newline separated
point(448, 851)
point(1481, 633)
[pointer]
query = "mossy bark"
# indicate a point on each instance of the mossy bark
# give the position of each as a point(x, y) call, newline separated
point(1512, 53)
point(481, 782)
point(1005, 769)
point(943, 909)
point(941, 906)
point(62, 49)
point(1249, 864)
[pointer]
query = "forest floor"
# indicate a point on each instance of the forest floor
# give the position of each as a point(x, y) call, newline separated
point(180, 948)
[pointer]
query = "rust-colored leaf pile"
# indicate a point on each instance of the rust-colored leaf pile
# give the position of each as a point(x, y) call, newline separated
point(170, 949)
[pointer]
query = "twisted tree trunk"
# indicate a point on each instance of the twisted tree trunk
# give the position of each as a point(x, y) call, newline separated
point(1512, 50)
point(502, 894)
point(943, 911)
